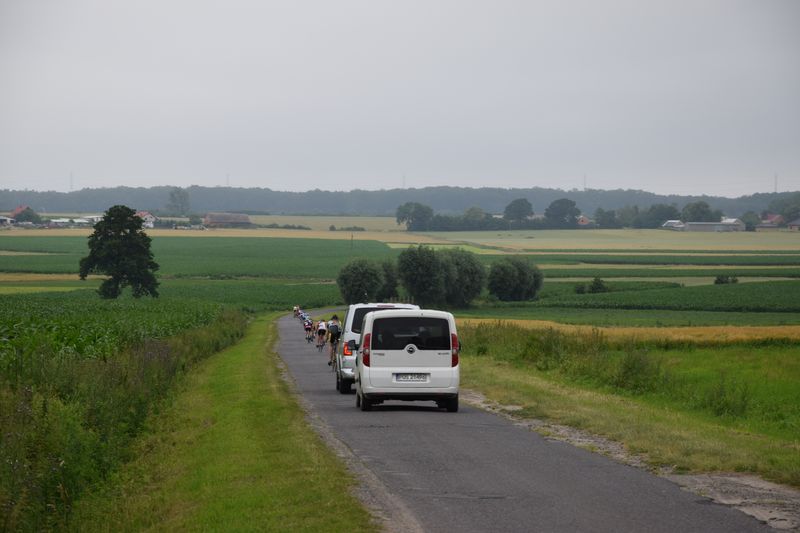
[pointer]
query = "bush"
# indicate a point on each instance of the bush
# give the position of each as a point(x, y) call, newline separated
point(597, 285)
point(515, 279)
point(421, 273)
point(464, 276)
point(726, 398)
point(724, 280)
point(388, 289)
point(359, 281)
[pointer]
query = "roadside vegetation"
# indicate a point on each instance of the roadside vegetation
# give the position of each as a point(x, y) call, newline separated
point(231, 452)
point(732, 407)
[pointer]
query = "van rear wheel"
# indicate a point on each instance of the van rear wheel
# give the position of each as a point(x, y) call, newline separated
point(366, 404)
point(452, 405)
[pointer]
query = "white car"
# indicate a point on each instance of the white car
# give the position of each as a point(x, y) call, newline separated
point(351, 332)
point(408, 355)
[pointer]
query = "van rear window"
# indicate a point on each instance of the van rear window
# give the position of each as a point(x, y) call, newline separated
point(423, 332)
point(358, 316)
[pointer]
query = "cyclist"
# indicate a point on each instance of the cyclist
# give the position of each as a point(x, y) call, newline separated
point(296, 311)
point(322, 331)
point(334, 332)
point(308, 325)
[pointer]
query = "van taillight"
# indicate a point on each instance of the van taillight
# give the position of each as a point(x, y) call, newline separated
point(346, 350)
point(454, 355)
point(366, 349)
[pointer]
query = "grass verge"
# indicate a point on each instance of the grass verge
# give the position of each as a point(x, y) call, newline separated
point(232, 452)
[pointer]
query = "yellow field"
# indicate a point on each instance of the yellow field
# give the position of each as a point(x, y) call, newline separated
point(717, 334)
point(627, 240)
point(323, 223)
point(9, 252)
point(25, 276)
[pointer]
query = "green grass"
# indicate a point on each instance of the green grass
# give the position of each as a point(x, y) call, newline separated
point(733, 407)
point(232, 453)
point(206, 256)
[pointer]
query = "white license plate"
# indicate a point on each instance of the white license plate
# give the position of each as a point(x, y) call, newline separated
point(413, 378)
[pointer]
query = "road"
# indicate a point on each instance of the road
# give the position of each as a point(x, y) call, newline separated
point(474, 471)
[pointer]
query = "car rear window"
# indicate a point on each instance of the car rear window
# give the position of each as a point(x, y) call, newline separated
point(423, 332)
point(358, 316)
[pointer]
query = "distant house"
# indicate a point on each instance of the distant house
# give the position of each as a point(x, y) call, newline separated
point(148, 219)
point(6, 221)
point(93, 219)
point(583, 221)
point(726, 224)
point(674, 225)
point(226, 220)
point(794, 225)
point(772, 218)
point(59, 222)
point(18, 210)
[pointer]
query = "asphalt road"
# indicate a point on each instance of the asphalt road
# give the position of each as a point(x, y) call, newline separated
point(475, 471)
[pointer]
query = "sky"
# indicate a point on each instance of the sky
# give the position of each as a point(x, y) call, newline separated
point(668, 96)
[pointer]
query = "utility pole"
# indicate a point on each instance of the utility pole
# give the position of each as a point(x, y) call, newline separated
point(776, 182)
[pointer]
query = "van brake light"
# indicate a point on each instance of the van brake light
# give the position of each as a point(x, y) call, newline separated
point(366, 349)
point(454, 353)
point(346, 349)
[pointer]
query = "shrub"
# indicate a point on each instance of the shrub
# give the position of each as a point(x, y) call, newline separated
point(726, 398)
point(464, 276)
point(515, 279)
point(724, 280)
point(597, 285)
point(388, 289)
point(359, 281)
point(421, 273)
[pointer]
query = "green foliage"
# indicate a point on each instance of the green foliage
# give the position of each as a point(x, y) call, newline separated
point(514, 279)
point(178, 203)
point(751, 220)
point(359, 281)
point(517, 210)
point(787, 205)
point(700, 212)
point(562, 213)
point(120, 249)
point(597, 285)
point(726, 397)
point(606, 219)
point(415, 216)
point(655, 215)
point(28, 215)
point(464, 276)
point(388, 289)
point(422, 276)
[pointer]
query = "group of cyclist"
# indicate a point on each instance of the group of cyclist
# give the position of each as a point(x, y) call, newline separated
point(326, 332)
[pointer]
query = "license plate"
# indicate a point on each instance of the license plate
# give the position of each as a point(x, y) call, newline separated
point(413, 378)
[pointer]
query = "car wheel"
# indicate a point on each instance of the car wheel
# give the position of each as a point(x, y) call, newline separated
point(358, 399)
point(366, 404)
point(338, 382)
point(452, 405)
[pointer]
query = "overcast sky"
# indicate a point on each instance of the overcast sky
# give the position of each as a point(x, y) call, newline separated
point(670, 96)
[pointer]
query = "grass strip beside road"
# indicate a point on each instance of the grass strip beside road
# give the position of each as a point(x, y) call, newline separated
point(233, 452)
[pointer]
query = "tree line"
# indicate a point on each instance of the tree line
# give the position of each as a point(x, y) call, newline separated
point(434, 278)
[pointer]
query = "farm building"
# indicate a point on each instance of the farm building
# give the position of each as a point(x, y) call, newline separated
point(149, 220)
point(726, 224)
point(226, 220)
point(794, 225)
point(18, 210)
point(675, 225)
point(6, 221)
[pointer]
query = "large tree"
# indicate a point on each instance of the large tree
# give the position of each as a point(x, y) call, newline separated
point(700, 212)
point(416, 216)
point(562, 213)
point(421, 274)
point(359, 280)
point(464, 276)
point(178, 201)
point(518, 210)
point(120, 249)
point(514, 279)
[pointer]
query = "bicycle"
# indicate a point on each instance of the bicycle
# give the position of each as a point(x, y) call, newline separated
point(332, 359)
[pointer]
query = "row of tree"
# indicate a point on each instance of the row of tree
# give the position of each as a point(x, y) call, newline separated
point(438, 277)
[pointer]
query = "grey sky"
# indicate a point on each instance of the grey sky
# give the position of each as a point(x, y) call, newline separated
point(672, 96)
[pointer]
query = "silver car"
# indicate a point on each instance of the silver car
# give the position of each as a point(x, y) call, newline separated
point(351, 332)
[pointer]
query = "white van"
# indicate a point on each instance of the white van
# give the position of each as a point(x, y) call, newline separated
point(408, 355)
point(351, 332)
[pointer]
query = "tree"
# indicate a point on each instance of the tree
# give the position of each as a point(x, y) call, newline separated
point(627, 215)
point(28, 215)
point(514, 279)
point(751, 220)
point(562, 213)
point(421, 274)
point(415, 216)
point(518, 210)
point(699, 212)
point(606, 219)
point(656, 215)
point(178, 201)
point(120, 248)
point(787, 206)
point(464, 276)
point(359, 281)
point(388, 289)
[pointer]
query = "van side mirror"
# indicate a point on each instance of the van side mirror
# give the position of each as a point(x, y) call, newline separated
point(352, 345)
